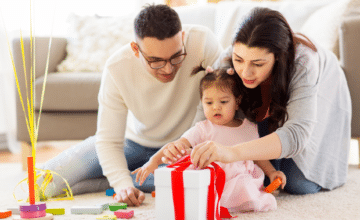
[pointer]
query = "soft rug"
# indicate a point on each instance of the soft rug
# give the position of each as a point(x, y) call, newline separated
point(341, 203)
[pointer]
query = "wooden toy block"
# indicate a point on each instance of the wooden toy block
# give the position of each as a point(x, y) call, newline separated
point(91, 210)
point(104, 206)
point(47, 217)
point(14, 210)
point(124, 214)
point(110, 192)
point(116, 206)
point(56, 211)
point(5, 213)
point(41, 206)
point(153, 193)
point(107, 217)
point(33, 214)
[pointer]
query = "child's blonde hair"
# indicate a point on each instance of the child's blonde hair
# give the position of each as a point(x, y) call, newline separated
point(219, 78)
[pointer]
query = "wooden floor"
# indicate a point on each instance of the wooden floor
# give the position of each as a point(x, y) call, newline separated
point(44, 151)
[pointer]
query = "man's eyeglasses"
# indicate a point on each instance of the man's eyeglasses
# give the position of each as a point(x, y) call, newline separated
point(158, 64)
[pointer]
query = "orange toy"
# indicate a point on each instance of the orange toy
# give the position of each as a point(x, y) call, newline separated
point(30, 161)
point(273, 186)
point(153, 193)
point(5, 214)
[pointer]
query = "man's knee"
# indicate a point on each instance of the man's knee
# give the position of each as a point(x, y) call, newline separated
point(147, 186)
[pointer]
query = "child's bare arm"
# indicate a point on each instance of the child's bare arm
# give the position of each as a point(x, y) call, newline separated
point(150, 166)
point(167, 154)
point(145, 170)
point(266, 166)
point(271, 172)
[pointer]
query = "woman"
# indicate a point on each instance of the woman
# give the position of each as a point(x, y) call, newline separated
point(297, 93)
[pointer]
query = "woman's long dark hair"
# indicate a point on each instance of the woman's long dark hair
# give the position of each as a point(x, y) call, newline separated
point(266, 28)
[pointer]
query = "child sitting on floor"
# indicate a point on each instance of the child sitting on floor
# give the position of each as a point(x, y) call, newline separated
point(220, 97)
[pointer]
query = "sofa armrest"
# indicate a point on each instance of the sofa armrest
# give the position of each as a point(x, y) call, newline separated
point(57, 54)
point(349, 42)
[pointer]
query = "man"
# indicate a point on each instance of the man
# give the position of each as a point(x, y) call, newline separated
point(147, 98)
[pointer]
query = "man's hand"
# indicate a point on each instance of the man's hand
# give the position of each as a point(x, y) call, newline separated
point(144, 171)
point(131, 196)
point(173, 151)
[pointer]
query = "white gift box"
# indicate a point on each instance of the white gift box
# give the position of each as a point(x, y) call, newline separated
point(196, 183)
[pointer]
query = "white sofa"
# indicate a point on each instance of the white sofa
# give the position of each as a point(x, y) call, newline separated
point(70, 104)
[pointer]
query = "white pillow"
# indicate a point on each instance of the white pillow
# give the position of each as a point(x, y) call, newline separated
point(353, 9)
point(229, 15)
point(323, 26)
point(94, 40)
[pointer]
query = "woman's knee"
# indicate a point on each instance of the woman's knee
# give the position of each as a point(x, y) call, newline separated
point(301, 187)
point(296, 182)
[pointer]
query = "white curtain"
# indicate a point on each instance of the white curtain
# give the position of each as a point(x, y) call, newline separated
point(7, 100)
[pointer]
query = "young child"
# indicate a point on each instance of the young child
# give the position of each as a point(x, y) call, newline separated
point(220, 97)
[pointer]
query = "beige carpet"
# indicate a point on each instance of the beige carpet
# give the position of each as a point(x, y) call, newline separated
point(342, 203)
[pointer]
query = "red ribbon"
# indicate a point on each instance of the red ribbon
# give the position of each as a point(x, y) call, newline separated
point(217, 179)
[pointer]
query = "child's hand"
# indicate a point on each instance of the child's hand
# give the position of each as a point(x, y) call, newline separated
point(275, 174)
point(144, 171)
point(175, 150)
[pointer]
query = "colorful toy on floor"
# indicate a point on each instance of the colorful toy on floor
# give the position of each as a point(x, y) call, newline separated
point(104, 206)
point(47, 217)
point(116, 206)
point(124, 214)
point(153, 193)
point(5, 213)
point(35, 210)
point(110, 192)
point(14, 210)
point(107, 217)
point(273, 186)
point(57, 211)
point(36, 214)
point(32, 208)
point(31, 178)
point(90, 210)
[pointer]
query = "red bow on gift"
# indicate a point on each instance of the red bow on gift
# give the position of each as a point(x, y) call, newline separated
point(217, 180)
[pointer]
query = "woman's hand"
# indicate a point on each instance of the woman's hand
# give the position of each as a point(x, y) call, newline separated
point(275, 174)
point(205, 153)
point(173, 151)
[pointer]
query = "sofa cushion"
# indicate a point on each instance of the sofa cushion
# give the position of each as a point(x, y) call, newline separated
point(69, 91)
point(93, 39)
point(323, 26)
point(352, 9)
point(229, 14)
point(200, 15)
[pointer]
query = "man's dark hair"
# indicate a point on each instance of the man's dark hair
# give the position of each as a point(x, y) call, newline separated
point(159, 21)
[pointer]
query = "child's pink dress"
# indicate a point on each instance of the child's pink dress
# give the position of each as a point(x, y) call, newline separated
point(244, 180)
